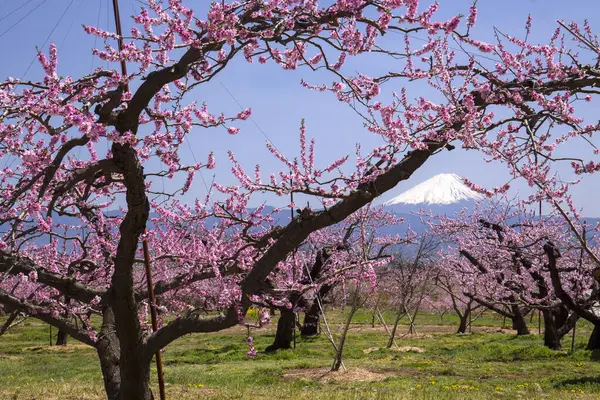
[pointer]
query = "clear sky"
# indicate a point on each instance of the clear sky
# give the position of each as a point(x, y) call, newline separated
point(276, 96)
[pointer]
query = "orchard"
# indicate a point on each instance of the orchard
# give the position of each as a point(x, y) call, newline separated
point(104, 222)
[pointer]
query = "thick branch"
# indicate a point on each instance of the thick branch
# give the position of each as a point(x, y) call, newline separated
point(473, 261)
point(40, 313)
point(193, 323)
point(568, 325)
point(553, 255)
point(490, 305)
point(299, 229)
point(176, 282)
point(15, 265)
point(9, 322)
point(155, 81)
point(55, 165)
point(495, 227)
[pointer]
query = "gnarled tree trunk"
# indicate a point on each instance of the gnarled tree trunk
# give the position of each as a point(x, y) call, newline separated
point(310, 326)
point(109, 352)
point(285, 331)
point(594, 341)
point(61, 338)
point(518, 321)
point(551, 336)
point(464, 321)
point(557, 323)
point(133, 362)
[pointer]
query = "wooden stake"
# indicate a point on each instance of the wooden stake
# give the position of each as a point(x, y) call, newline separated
point(293, 270)
point(159, 370)
point(470, 320)
point(380, 316)
point(120, 39)
point(295, 322)
point(573, 337)
point(412, 329)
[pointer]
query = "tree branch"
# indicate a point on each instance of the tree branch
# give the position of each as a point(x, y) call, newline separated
point(40, 313)
point(15, 265)
point(553, 255)
point(299, 229)
point(192, 323)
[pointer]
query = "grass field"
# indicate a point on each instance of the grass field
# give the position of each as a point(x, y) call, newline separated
point(489, 364)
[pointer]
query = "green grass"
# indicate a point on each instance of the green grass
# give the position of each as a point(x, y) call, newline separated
point(484, 365)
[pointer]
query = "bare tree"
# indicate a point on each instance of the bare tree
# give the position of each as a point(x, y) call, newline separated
point(408, 282)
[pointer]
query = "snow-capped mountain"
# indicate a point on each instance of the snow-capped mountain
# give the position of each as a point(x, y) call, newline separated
point(439, 190)
point(443, 194)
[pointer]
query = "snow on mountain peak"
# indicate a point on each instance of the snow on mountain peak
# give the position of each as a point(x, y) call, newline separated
point(440, 189)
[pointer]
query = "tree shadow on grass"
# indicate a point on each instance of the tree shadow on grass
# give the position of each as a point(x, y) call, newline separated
point(214, 355)
point(223, 349)
point(578, 381)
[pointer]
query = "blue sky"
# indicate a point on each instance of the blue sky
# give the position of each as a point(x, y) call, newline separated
point(276, 96)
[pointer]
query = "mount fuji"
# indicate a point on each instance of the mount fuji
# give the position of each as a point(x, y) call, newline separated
point(441, 189)
point(443, 194)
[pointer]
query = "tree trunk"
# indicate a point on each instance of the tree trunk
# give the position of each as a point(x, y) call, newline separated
point(393, 333)
point(594, 341)
point(108, 353)
point(310, 326)
point(134, 363)
point(61, 338)
point(285, 331)
point(551, 336)
point(337, 363)
point(518, 321)
point(557, 323)
point(464, 321)
point(412, 329)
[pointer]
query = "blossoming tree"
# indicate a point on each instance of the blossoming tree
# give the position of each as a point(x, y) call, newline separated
point(524, 106)
point(498, 255)
point(63, 256)
point(450, 295)
point(350, 251)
